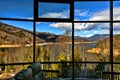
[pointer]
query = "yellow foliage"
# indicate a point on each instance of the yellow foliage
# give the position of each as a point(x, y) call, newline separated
point(61, 57)
point(54, 66)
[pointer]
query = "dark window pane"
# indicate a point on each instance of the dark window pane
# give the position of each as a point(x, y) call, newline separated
point(91, 71)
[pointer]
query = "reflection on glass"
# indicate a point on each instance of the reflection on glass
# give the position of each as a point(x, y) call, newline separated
point(53, 10)
point(116, 10)
point(16, 40)
point(91, 11)
point(22, 9)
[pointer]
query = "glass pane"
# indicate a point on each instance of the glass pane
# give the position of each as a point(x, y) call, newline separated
point(22, 9)
point(116, 69)
point(53, 40)
point(53, 10)
point(91, 71)
point(91, 11)
point(16, 39)
point(116, 10)
point(53, 44)
point(92, 42)
point(91, 45)
point(116, 42)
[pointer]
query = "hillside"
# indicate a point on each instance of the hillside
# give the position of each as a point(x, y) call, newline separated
point(98, 37)
point(47, 37)
point(105, 43)
point(13, 35)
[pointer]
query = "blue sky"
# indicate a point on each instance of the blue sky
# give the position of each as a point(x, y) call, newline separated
point(83, 11)
point(16, 8)
point(56, 8)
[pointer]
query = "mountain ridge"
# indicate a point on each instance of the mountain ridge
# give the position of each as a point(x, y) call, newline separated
point(98, 37)
point(14, 35)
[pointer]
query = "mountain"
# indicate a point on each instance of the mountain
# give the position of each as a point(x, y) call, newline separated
point(98, 37)
point(105, 43)
point(47, 37)
point(80, 39)
point(13, 35)
point(10, 34)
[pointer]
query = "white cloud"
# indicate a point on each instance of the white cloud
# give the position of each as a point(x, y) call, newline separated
point(64, 14)
point(95, 32)
point(62, 26)
point(116, 27)
point(86, 32)
point(68, 26)
point(88, 35)
point(30, 18)
point(104, 31)
point(116, 32)
point(98, 28)
point(81, 13)
point(103, 15)
point(80, 26)
point(116, 12)
point(38, 22)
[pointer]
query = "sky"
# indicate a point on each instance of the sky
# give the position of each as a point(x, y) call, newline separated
point(90, 11)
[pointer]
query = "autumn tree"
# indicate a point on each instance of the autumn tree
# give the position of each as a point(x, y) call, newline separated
point(63, 39)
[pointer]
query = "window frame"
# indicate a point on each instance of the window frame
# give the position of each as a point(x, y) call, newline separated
point(71, 20)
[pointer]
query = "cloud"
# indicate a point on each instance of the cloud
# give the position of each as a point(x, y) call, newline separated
point(81, 13)
point(79, 26)
point(64, 14)
point(62, 26)
point(38, 22)
point(116, 12)
point(101, 15)
point(30, 18)
point(116, 26)
point(88, 35)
